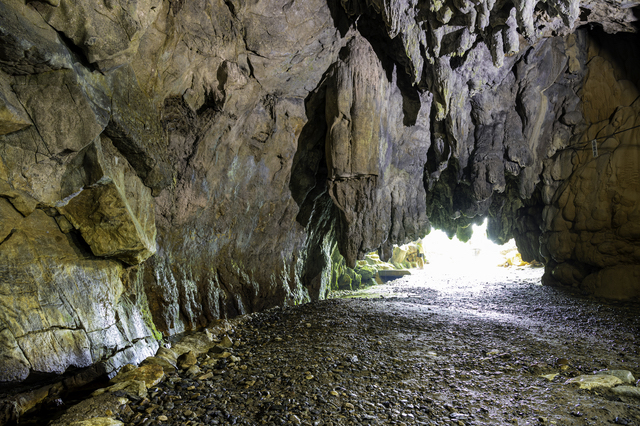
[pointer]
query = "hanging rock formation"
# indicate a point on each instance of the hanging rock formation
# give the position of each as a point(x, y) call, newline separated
point(167, 163)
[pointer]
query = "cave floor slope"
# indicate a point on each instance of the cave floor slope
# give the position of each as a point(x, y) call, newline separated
point(454, 350)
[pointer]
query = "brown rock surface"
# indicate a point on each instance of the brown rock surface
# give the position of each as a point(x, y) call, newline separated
point(592, 223)
point(112, 208)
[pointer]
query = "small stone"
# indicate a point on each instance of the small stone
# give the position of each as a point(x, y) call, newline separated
point(295, 419)
point(194, 370)
point(596, 381)
point(135, 388)
point(308, 325)
point(630, 391)
point(624, 375)
point(163, 418)
point(226, 342)
point(167, 354)
point(217, 349)
point(207, 376)
point(234, 358)
point(97, 421)
point(167, 365)
point(309, 376)
point(348, 406)
point(150, 374)
point(334, 393)
point(549, 377)
point(186, 360)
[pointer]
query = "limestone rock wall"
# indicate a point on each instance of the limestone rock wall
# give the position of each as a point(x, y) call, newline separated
point(165, 163)
point(591, 223)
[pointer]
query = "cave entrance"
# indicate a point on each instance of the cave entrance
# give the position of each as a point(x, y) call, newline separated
point(478, 255)
point(452, 268)
point(452, 265)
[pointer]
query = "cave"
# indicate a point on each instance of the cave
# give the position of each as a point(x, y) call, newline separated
point(168, 164)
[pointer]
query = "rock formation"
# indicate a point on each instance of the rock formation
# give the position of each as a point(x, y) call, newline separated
point(166, 163)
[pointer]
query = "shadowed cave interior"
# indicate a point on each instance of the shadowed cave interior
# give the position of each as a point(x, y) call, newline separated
point(176, 168)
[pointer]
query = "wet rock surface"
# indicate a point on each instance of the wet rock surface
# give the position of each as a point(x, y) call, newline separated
point(448, 351)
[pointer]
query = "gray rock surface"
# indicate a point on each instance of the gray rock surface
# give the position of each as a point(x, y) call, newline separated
point(241, 142)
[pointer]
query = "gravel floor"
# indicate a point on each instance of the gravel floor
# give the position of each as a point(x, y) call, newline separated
point(420, 350)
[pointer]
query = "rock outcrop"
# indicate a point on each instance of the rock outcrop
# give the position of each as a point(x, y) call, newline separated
point(166, 163)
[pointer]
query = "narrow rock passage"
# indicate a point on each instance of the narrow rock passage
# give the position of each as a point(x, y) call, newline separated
point(420, 350)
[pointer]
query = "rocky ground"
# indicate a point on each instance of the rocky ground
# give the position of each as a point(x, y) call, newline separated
point(453, 350)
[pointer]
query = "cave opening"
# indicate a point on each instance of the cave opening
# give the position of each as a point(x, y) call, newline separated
point(469, 262)
point(475, 255)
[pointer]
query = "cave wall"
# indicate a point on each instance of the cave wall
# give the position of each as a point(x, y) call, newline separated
point(591, 219)
point(164, 163)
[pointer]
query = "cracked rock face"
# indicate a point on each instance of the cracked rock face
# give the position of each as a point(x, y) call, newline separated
point(166, 163)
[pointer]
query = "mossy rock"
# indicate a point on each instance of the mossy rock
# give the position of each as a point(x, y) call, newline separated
point(368, 282)
point(344, 282)
point(366, 272)
point(356, 279)
point(356, 282)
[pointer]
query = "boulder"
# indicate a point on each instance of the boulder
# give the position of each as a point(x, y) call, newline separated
point(595, 381)
point(186, 360)
point(394, 274)
point(96, 410)
point(149, 374)
point(112, 209)
point(134, 389)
